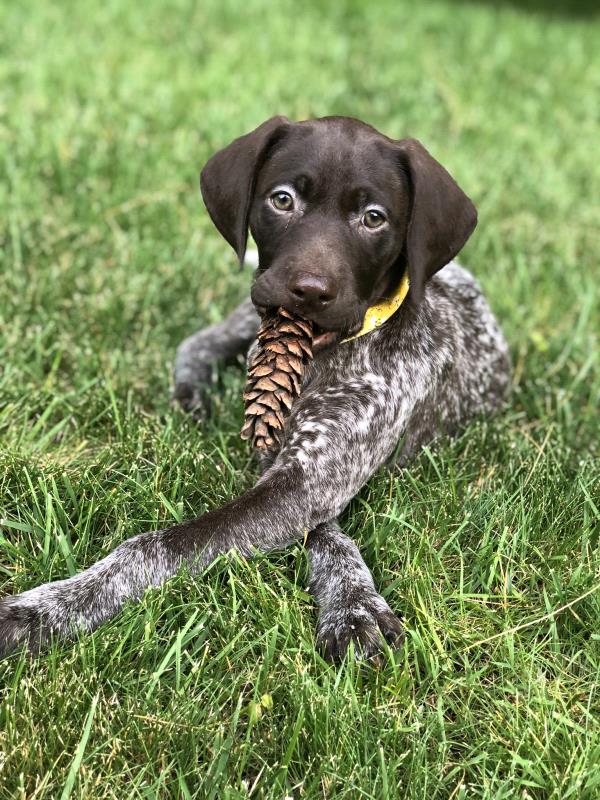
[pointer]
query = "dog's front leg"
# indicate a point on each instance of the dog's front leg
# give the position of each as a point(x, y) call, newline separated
point(197, 355)
point(350, 607)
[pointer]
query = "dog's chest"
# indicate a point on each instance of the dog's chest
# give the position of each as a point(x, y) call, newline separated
point(370, 358)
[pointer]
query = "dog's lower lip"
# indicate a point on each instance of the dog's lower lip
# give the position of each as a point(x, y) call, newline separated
point(324, 339)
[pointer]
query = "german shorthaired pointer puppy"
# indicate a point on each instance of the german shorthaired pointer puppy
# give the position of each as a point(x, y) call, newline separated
point(342, 217)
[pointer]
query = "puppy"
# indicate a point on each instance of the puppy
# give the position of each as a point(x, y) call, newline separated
point(345, 220)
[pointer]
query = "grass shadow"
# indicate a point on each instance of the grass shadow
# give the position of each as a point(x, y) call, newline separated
point(576, 9)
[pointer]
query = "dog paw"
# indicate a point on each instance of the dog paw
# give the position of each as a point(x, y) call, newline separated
point(367, 625)
point(20, 624)
point(192, 375)
point(193, 399)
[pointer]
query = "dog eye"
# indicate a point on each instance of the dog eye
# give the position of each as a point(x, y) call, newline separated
point(282, 201)
point(373, 219)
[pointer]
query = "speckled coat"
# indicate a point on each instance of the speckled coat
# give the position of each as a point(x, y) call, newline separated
point(427, 370)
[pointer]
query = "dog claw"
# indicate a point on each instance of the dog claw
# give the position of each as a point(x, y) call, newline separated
point(367, 627)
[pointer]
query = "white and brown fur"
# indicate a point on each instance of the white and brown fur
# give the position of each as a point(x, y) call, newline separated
point(439, 361)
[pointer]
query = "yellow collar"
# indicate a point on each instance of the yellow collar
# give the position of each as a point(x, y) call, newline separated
point(376, 315)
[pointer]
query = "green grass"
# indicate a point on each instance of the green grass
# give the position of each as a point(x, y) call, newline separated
point(488, 545)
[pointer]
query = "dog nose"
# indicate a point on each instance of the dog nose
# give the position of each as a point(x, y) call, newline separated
point(310, 290)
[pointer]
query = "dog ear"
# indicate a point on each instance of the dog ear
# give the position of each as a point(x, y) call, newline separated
point(228, 179)
point(441, 217)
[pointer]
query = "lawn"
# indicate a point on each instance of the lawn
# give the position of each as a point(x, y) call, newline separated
point(487, 545)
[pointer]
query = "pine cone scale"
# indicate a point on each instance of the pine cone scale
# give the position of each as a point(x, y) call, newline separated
point(285, 398)
point(266, 384)
point(275, 347)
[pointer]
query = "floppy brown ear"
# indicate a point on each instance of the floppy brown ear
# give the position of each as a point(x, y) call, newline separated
point(228, 179)
point(441, 217)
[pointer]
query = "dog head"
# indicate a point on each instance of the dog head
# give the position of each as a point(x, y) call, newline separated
point(338, 212)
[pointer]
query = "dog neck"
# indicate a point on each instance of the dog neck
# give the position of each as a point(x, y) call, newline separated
point(376, 315)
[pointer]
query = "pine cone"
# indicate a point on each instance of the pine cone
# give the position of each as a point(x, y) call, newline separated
point(274, 376)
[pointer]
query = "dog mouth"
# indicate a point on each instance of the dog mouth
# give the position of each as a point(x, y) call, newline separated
point(323, 337)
